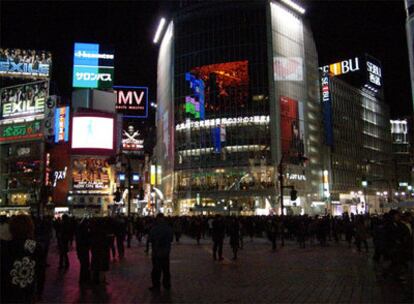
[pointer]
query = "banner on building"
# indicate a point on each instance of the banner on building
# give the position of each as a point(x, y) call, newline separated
point(24, 100)
point(21, 131)
point(91, 174)
point(25, 63)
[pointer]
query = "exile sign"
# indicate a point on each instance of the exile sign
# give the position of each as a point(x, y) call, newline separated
point(132, 102)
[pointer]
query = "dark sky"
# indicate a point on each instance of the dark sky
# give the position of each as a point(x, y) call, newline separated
point(342, 29)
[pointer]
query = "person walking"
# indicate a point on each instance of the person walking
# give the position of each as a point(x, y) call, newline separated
point(63, 235)
point(234, 237)
point(218, 232)
point(83, 246)
point(160, 237)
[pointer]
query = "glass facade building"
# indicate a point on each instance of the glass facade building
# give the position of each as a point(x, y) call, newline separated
point(237, 89)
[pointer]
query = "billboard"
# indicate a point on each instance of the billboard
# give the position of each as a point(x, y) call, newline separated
point(93, 132)
point(194, 103)
point(132, 138)
point(25, 63)
point(91, 174)
point(132, 102)
point(288, 68)
point(62, 124)
point(21, 131)
point(327, 109)
point(224, 85)
point(24, 100)
point(93, 66)
point(292, 130)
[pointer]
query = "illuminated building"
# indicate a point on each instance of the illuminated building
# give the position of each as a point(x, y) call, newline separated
point(401, 153)
point(360, 145)
point(237, 89)
point(409, 5)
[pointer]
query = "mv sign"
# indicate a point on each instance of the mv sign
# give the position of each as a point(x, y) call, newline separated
point(132, 102)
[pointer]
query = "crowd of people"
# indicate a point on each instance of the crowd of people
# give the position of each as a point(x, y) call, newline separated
point(25, 242)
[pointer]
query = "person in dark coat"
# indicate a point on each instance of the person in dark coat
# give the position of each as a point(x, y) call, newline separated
point(120, 230)
point(218, 233)
point(83, 245)
point(20, 262)
point(160, 237)
point(234, 232)
point(63, 238)
point(100, 244)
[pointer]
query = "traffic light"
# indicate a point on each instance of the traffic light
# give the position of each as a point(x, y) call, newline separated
point(293, 195)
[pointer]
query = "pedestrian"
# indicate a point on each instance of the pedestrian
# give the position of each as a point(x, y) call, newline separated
point(361, 233)
point(234, 236)
point(218, 232)
point(160, 237)
point(63, 235)
point(178, 229)
point(83, 244)
point(100, 245)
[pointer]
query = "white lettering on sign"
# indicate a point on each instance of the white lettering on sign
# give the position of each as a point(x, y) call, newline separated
point(257, 120)
point(129, 97)
point(24, 107)
point(93, 76)
point(83, 54)
point(59, 175)
point(294, 176)
point(374, 73)
point(342, 67)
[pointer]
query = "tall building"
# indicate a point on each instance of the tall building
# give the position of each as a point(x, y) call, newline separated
point(409, 5)
point(361, 162)
point(237, 96)
point(401, 154)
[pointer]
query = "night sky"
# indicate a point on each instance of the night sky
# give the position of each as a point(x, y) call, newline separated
point(342, 29)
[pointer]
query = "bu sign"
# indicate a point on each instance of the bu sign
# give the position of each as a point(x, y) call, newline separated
point(132, 102)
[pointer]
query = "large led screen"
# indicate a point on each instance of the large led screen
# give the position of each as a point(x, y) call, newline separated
point(226, 85)
point(25, 63)
point(91, 132)
point(292, 130)
point(93, 66)
point(24, 100)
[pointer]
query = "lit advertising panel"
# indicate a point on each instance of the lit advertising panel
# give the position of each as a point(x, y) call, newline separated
point(92, 132)
point(327, 109)
point(132, 138)
point(224, 84)
point(288, 68)
point(132, 102)
point(93, 66)
point(25, 63)
point(91, 174)
point(24, 100)
point(21, 131)
point(194, 103)
point(291, 130)
point(62, 124)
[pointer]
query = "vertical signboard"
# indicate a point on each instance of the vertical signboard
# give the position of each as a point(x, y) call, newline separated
point(62, 124)
point(327, 109)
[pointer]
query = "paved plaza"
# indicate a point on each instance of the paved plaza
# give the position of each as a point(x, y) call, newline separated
point(334, 274)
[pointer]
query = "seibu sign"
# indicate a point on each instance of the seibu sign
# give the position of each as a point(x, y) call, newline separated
point(132, 102)
point(342, 67)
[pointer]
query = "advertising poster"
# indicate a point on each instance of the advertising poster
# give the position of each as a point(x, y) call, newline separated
point(93, 66)
point(25, 63)
point(91, 174)
point(291, 130)
point(288, 68)
point(24, 100)
point(132, 138)
point(131, 102)
point(21, 131)
point(92, 132)
point(226, 85)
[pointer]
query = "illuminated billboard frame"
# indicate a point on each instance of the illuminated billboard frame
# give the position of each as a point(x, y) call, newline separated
point(93, 151)
point(144, 89)
point(93, 66)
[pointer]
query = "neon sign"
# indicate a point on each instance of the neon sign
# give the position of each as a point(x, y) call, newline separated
point(194, 104)
point(62, 124)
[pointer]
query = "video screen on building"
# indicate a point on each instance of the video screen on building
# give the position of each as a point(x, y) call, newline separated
point(25, 63)
point(226, 87)
point(292, 130)
point(93, 66)
point(131, 102)
point(92, 132)
point(24, 100)
point(91, 174)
